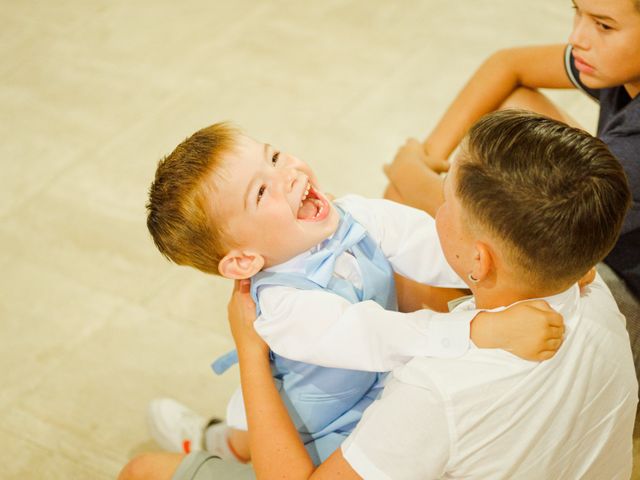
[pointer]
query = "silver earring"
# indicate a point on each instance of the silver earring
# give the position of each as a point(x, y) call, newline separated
point(472, 279)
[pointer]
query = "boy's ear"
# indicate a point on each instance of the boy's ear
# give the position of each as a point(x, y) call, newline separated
point(484, 261)
point(239, 265)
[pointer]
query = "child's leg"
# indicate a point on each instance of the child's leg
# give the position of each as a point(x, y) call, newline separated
point(151, 466)
point(239, 444)
point(228, 443)
point(529, 99)
point(195, 466)
point(177, 428)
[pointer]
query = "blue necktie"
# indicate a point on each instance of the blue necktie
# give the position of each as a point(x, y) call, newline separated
point(320, 265)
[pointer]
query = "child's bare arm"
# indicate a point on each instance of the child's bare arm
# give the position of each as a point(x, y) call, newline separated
point(496, 79)
point(531, 330)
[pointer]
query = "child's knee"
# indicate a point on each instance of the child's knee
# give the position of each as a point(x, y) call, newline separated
point(139, 468)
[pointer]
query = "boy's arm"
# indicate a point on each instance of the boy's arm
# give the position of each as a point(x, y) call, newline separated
point(324, 329)
point(413, 174)
point(496, 79)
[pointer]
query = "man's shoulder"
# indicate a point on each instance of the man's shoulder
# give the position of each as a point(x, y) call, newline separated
point(600, 310)
point(474, 370)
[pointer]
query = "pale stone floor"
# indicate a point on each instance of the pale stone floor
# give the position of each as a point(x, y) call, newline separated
point(93, 92)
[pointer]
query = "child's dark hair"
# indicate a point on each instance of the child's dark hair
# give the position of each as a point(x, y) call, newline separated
point(554, 194)
point(177, 216)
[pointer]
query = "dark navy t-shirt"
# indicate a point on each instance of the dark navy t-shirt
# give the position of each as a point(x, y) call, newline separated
point(619, 128)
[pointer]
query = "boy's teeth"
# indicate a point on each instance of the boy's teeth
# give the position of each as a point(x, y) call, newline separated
point(306, 193)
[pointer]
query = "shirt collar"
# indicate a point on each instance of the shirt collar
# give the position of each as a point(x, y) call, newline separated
point(297, 263)
point(565, 303)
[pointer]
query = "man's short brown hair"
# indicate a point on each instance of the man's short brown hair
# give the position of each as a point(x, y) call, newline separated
point(554, 194)
point(176, 213)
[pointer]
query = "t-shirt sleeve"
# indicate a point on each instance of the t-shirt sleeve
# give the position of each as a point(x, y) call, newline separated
point(574, 74)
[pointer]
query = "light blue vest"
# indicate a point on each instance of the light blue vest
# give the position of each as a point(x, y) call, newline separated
point(325, 404)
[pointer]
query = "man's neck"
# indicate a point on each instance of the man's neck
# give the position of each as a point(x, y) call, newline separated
point(502, 297)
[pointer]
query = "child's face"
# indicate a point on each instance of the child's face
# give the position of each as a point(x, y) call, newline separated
point(606, 43)
point(269, 202)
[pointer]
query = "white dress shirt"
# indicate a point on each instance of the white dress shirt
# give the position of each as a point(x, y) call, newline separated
point(489, 414)
point(322, 328)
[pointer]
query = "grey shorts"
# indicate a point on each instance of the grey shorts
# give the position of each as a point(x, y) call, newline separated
point(205, 466)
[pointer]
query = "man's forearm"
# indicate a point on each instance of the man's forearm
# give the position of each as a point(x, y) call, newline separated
point(276, 448)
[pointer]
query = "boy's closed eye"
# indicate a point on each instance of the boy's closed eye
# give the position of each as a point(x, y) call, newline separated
point(603, 26)
point(261, 191)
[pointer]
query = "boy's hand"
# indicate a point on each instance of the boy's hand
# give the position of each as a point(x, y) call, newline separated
point(241, 311)
point(437, 164)
point(531, 330)
point(410, 156)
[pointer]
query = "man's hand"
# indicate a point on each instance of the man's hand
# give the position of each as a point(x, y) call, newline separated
point(531, 330)
point(241, 311)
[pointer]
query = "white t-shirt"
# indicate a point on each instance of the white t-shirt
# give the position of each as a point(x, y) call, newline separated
point(489, 414)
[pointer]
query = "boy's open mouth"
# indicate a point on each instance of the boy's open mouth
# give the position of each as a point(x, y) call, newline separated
point(313, 206)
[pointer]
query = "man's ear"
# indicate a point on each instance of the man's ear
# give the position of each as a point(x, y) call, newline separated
point(483, 262)
point(239, 265)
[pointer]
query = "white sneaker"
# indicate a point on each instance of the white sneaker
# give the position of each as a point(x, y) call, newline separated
point(175, 427)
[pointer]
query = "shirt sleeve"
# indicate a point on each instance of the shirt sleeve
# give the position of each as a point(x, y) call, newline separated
point(407, 237)
point(404, 434)
point(322, 328)
point(574, 74)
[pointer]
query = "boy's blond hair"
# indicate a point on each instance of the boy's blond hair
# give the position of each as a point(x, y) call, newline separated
point(177, 215)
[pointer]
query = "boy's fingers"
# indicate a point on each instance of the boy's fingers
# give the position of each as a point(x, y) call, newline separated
point(556, 320)
point(553, 344)
point(556, 332)
point(546, 354)
point(444, 166)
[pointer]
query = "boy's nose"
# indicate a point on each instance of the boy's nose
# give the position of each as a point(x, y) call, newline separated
point(288, 177)
point(579, 37)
